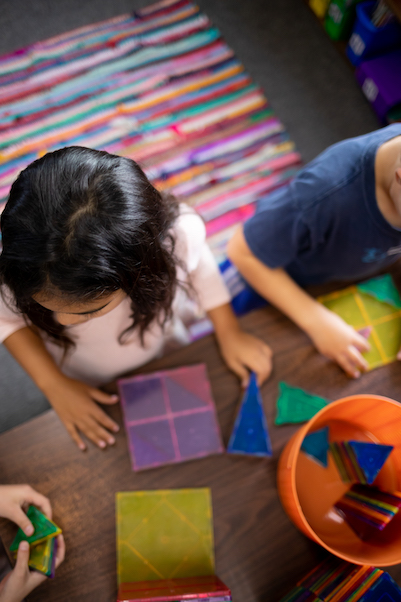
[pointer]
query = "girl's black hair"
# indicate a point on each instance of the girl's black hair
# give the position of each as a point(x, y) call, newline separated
point(81, 224)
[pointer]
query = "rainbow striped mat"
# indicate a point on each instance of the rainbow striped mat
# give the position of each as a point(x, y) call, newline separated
point(162, 87)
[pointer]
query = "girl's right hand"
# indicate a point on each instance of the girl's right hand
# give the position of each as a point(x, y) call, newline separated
point(74, 402)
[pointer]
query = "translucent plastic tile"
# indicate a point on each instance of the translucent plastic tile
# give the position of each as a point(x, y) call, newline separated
point(151, 444)
point(164, 534)
point(170, 416)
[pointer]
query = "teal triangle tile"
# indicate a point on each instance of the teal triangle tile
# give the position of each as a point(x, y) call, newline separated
point(250, 434)
point(383, 289)
point(316, 445)
point(370, 457)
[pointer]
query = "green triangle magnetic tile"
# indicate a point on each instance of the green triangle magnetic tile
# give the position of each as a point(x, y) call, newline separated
point(164, 534)
point(296, 405)
point(250, 435)
point(370, 457)
point(316, 445)
point(383, 289)
point(44, 528)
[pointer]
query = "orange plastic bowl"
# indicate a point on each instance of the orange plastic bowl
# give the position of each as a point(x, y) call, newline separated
point(308, 490)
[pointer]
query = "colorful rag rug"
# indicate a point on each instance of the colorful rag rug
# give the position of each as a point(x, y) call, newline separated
point(162, 87)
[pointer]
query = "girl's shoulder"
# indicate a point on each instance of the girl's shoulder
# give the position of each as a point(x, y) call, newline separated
point(189, 232)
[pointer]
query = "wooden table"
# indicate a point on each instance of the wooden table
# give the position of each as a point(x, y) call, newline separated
point(259, 553)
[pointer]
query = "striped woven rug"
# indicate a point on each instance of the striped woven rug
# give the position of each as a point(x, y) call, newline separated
point(160, 86)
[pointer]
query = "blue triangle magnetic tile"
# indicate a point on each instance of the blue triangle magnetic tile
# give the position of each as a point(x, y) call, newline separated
point(316, 445)
point(370, 457)
point(250, 434)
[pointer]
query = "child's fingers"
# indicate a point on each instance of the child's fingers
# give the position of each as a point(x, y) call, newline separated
point(103, 397)
point(357, 359)
point(100, 436)
point(348, 366)
point(21, 566)
point(60, 554)
point(40, 501)
point(360, 342)
point(18, 516)
point(105, 421)
point(240, 370)
point(73, 432)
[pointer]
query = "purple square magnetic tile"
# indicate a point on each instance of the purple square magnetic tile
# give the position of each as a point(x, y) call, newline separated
point(181, 398)
point(151, 444)
point(198, 434)
point(142, 398)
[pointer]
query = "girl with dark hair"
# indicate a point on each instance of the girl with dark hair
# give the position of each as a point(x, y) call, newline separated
point(85, 236)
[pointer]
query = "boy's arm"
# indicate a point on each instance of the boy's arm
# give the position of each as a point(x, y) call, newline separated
point(73, 400)
point(330, 334)
point(241, 351)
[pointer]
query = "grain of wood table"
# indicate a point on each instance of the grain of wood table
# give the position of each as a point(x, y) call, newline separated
point(259, 553)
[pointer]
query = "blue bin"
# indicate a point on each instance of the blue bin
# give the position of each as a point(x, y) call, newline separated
point(366, 40)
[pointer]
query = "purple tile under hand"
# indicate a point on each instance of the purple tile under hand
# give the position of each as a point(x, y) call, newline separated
point(143, 399)
point(197, 434)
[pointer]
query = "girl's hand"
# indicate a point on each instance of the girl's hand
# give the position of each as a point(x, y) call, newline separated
point(14, 499)
point(338, 341)
point(21, 581)
point(74, 402)
point(243, 352)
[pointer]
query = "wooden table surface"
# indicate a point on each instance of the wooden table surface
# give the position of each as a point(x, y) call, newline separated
point(259, 553)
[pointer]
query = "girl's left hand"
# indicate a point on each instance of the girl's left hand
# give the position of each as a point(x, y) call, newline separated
point(243, 352)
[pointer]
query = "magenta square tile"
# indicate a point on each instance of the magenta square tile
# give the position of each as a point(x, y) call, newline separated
point(151, 444)
point(142, 398)
point(198, 434)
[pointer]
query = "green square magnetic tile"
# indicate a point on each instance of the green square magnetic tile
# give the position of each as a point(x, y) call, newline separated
point(44, 528)
point(164, 534)
point(346, 307)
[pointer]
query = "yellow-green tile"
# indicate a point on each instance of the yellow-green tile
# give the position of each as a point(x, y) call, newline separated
point(164, 534)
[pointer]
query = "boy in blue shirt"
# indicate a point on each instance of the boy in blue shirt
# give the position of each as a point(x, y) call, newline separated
point(339, 219)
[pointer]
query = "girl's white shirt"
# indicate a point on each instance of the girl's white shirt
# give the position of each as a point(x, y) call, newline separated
point(98, 357)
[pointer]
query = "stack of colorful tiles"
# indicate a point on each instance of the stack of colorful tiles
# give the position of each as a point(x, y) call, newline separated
point(368, 510)
point(359, 461)
point(197, 589)
point(160, 86)
point(169, 416)
point(337, 581)
point(250, 435)
point(43, 542)
point(373, 304)
point(165, 546)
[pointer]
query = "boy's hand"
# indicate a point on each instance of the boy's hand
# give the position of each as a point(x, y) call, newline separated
point(14, 499)
point(243, 352)
point(21, 581)
point(338, 341)
point(74, 402)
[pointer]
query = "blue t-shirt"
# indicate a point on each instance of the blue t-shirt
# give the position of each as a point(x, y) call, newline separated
point(326, 225)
